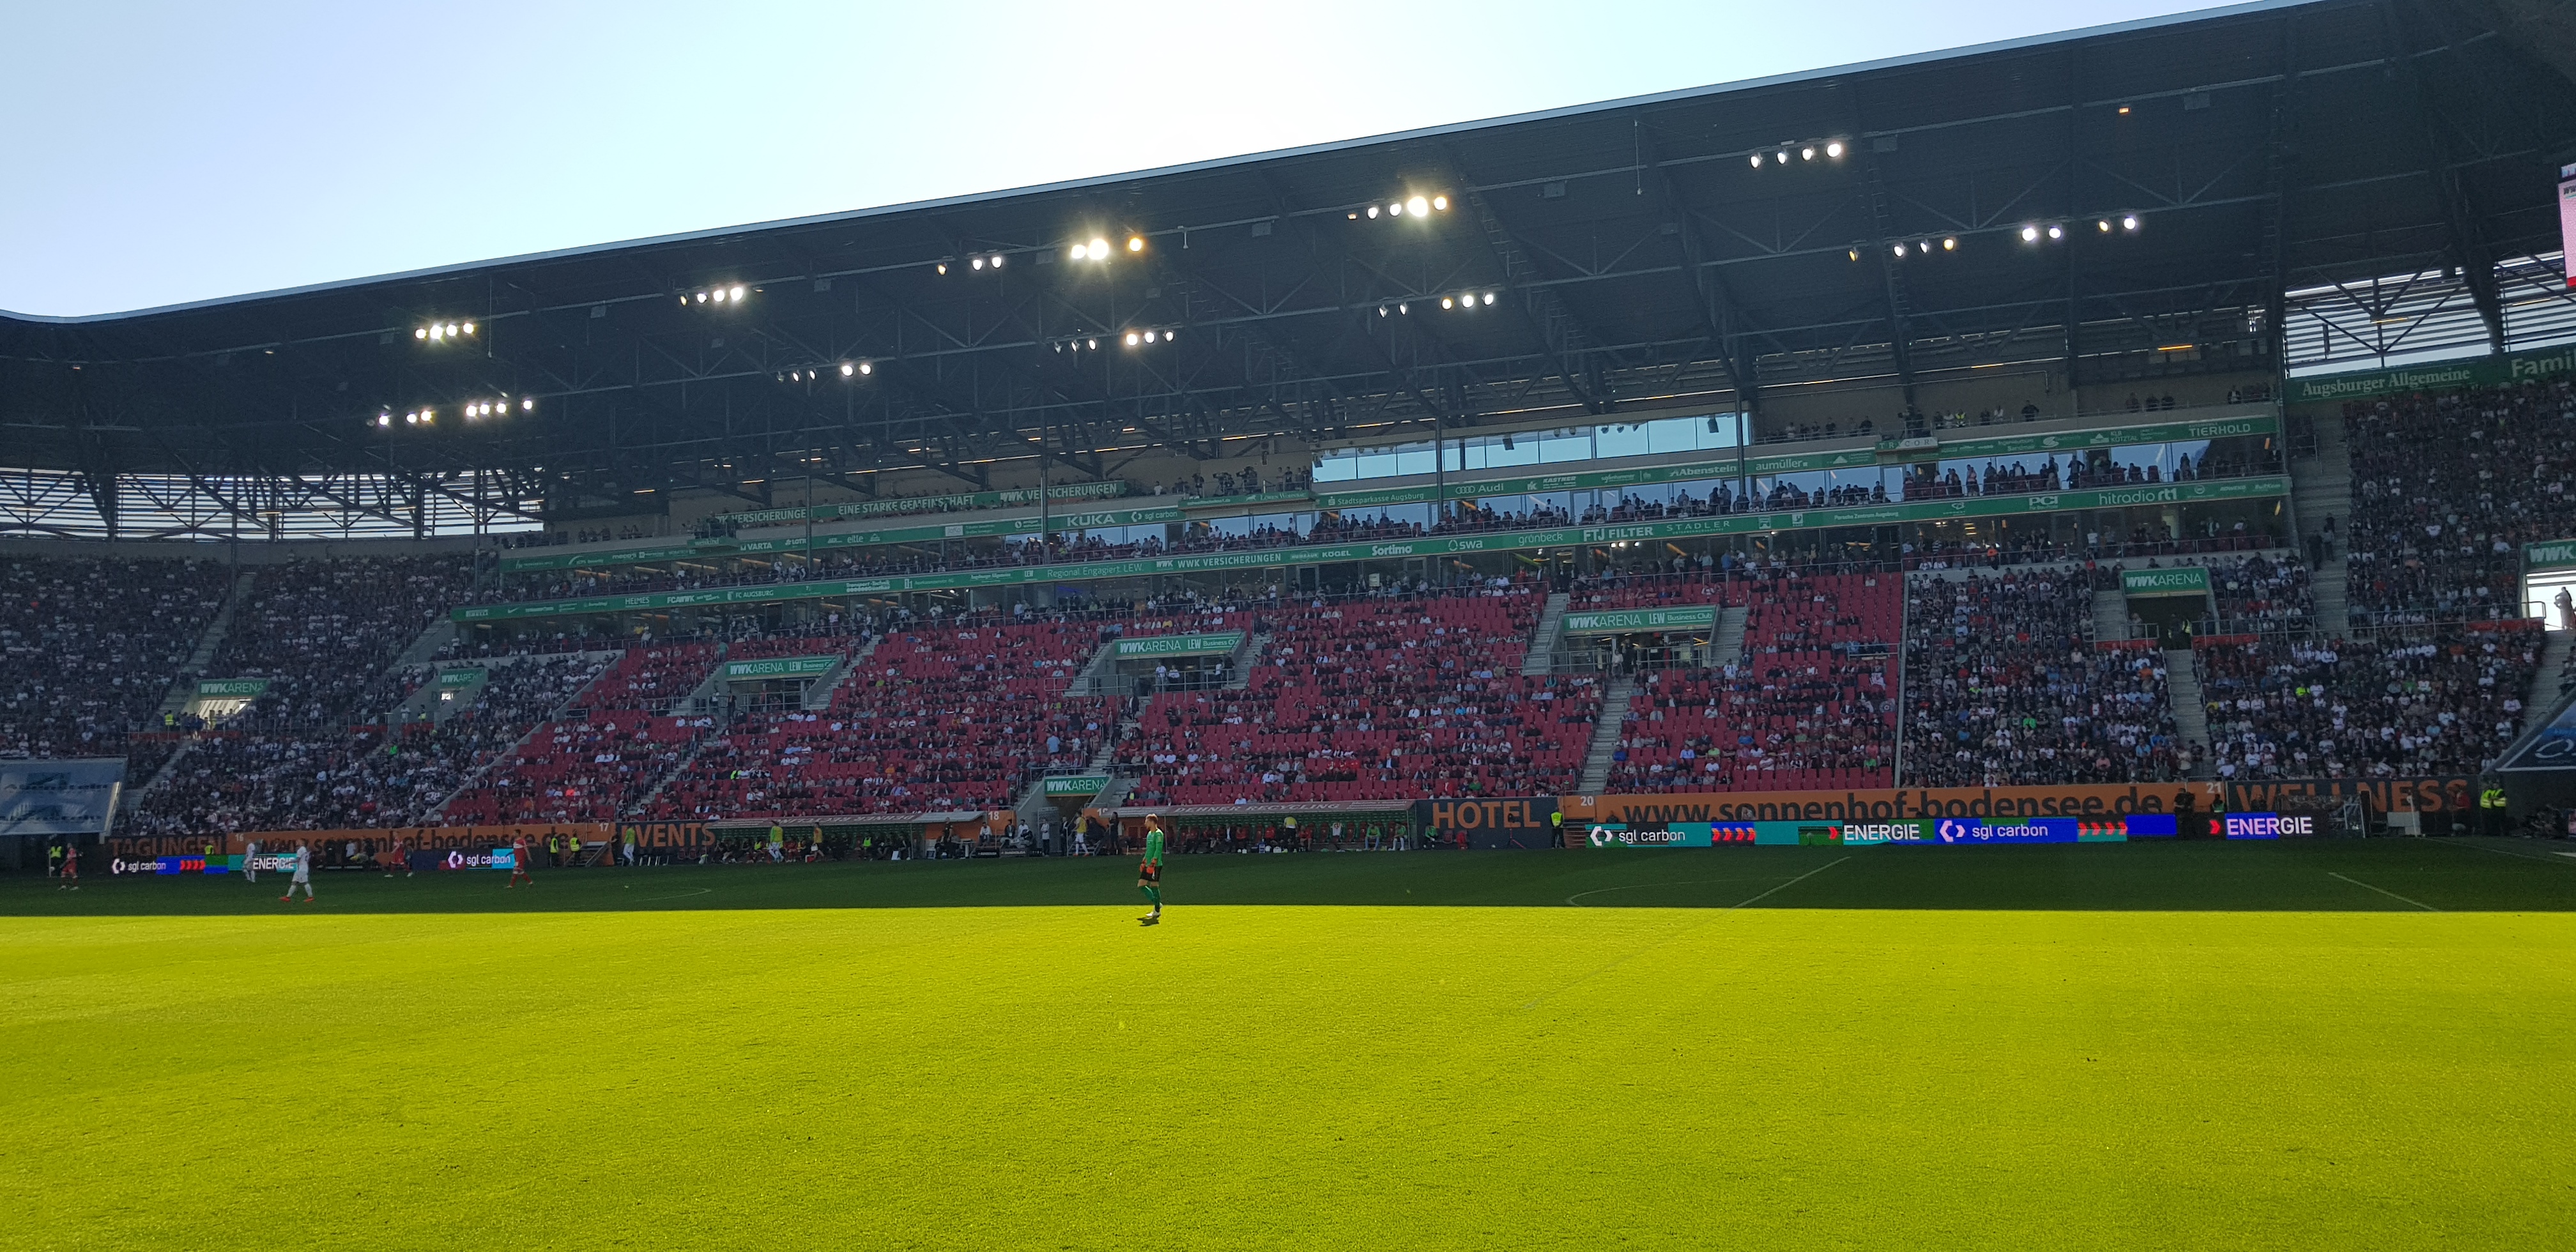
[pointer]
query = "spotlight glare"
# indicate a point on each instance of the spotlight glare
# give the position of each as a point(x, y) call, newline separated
point(1441, 203)
point(384, 419)
point(528, 405)
point(451, 328)
point(2130, 222)
point(1834, 149)
point(2104, 226)
point(847, 369)
point(1447, 303)
point(1900, 249)
point(737, 293)
point(997, 260)
point(1757, 160)
point(866, 368)
point(1854, 254)
point(1078, 253)
point(1099, 250)
point(1781, 157)
point(1489, 297)
point(1417, 206)
point(977, 264)
point(2029, 234)
point(1807, 153)
point(1131, 339)
point(1404, 309)
point(1135, 243)
point(2056, 232)
point(1149, 336)
point(1949, 245)
point(420, 333)
point(469, 328)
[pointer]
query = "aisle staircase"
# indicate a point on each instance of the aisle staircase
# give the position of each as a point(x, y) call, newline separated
point(1726, 647)
point(2190, 710)
point(2544, 681)
point(2321, 487)
point(1541, 656)
point(184, 687)
point(1605, 734)
point(2110, 616)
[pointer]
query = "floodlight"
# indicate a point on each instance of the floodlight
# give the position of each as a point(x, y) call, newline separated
point(1092, 344)
point(420, 333)
point(1489, 297)
point(866, 368)
point(997, 260)
point(1131, 339)
point(1807, 153)
point(384, 419)
point(1100, 249)
point(1900, 249)
point(1149, 336)
point(1757, 160)
point(1441, 203)
point(2130, 222)
point(2056, 232)
point(1949, 245)
point(1417, 206)
point(1078, 253)
point(1372, 211)
point(846, 369)
point(978, 264)
point(2030, 234)
point(737, 293)
point(528, 405)
point(1834, 149)
point(1447, 303)
point(2104, 226)
point(469, 328)
point(1853, 253)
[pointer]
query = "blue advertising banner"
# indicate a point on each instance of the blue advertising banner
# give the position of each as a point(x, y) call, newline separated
point(56, 798)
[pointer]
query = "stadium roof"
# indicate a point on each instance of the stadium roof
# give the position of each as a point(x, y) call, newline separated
point(1680, 248)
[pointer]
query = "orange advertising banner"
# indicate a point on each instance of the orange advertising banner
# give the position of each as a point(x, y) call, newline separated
point(372, 841)
point(2072, 800)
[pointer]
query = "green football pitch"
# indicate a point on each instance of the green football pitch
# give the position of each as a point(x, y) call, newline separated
point(2328, 1045)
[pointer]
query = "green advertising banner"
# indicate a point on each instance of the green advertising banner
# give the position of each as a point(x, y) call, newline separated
point(2258, 423)
point(779, 667)
point(796, 544)
point(2471, 372)
point(1505, 541)
point(1624, 621)
point(450, 679)
point(954, 503)
point(1084, 785)
point(2554, 554)
point(1178, 645)
point(2191, 581)
point(231, 688)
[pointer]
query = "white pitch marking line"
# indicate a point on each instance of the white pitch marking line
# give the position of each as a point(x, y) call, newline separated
point(1792, 882)
point(1648, 886)
point(2384, 891)
point(682, 896)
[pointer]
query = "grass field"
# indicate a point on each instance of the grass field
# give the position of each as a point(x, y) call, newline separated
point(2323, 1045)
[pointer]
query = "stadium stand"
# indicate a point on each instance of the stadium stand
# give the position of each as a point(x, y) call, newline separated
point(2004, 683)
point(1810, 706)
point(322, 633)
point(2421, 702)
point(1374, 698)
point(605, 753)
point(89, 648)
point(2446, 488)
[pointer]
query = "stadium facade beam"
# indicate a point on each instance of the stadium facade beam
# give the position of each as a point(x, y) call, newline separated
point(1729, 329)
point(2467, 237)
point(1541, 307)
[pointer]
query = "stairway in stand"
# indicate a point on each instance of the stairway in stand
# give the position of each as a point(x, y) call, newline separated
point(1605, 735)
point(2321, 487)
point(2190, 710)
point(1541, 656)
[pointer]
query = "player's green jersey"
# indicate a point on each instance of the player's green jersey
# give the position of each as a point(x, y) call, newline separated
point(1153, 847)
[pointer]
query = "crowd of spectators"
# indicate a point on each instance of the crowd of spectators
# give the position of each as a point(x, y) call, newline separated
point(2004, 685)
point(619, 739)
point(1809, 705)
point(394, 774)
point(322, 632)
point(2260, 595)
point(2446, 489)
point(90, 647)
point(1394, 696)
point(2422, 701)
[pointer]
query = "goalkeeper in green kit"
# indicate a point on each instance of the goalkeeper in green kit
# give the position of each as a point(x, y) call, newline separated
point(1149, 872)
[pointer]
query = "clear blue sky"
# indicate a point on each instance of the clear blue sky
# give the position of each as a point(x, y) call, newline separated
point(160, 153)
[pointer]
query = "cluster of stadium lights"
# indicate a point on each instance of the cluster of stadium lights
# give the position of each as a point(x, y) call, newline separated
point(715, 295)
point(1097, 249)
point(1830, 149)
point(2126, 223)
point(990, 260)
point(441, 332)
point(1418, 206)
point(1464, 300)
point(474, 410)
point(808, 373)
point(2035, 232)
